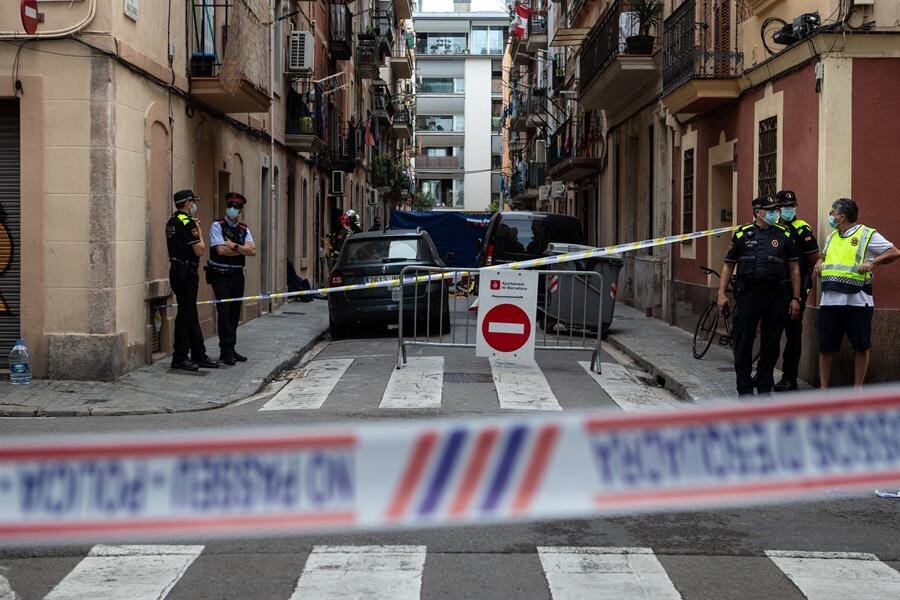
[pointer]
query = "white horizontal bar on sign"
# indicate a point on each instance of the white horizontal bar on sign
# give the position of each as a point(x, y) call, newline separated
point(514, 328)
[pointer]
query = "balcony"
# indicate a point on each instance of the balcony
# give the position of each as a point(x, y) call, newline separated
point(430, 44)
point(614, 62)
point(536, 38)
point(387, 174)
point(701, 63)
point(438, 167)
point(301, 131)
point(401, 60)
point(402, 124)
point(229, 78)
point(574, 151)
point(436, 130)
point(385, 23)
point(368, 56)
point(524, 187)
point(527, 110)
point(340, 42)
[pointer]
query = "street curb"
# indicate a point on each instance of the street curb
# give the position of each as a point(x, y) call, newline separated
point(26, 411)
point(669, 382)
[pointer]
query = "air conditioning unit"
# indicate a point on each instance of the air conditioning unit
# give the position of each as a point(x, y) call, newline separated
point(557, 190)
point(337, 183)
point(301, 52)
point(373, 197)
point(544, 193)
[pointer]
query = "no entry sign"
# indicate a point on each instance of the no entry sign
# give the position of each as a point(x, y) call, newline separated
point(29, 11)
point(507, 301)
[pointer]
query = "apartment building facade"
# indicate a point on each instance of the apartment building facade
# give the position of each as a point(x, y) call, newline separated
point(459, 98)
point(670, 116)
point(113, 106)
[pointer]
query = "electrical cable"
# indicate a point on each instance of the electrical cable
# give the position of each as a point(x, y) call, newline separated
point(764, 29)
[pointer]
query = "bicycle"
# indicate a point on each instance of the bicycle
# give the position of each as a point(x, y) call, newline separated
point(708, 324)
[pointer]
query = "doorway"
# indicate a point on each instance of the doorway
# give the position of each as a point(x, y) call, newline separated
point(721, 192)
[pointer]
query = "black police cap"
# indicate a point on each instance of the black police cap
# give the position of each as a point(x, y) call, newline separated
point(786, 198)
point(765, 202)
point(183, 196)
point(235, 198)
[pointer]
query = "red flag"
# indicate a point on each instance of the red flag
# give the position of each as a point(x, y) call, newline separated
point(522, 14)
point(369, 138)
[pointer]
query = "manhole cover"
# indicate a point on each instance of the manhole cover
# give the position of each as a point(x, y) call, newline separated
point(467, 378)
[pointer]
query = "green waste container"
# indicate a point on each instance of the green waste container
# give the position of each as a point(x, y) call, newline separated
point(571, 303)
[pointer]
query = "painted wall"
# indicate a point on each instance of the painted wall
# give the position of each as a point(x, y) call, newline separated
point(477, 185)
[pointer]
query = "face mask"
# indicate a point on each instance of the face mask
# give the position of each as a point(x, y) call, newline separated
point(831, 222)
point(232, 213)
point(771, 216)
point(789, 213)
point(193, 209)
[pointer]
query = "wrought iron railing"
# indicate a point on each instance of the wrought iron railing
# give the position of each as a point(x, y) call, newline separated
point(300, 118)
point(341, 35)
point(574, 138)
point(608, 39)
point(699, 43)
point(536, 175)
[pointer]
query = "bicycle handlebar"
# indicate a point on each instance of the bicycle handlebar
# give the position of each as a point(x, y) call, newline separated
point(709, 271)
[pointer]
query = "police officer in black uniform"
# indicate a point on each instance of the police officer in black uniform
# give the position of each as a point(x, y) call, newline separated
point(764, 257)
point(230, 244)
point(185, 249)
point(808, 249)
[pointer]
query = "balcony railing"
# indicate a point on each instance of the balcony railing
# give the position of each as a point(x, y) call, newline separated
point(438, 162)
point(368, 56)
point(573, 140)
point(698, 43)
point(341, 40)
point(608, 39)
point(534, 177)
point(303, 128)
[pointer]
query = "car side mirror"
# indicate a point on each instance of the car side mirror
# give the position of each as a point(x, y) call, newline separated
point(449, 256)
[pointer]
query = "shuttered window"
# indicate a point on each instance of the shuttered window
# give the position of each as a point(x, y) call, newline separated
point(10, 229)
point(768, 156)
point(687, 197)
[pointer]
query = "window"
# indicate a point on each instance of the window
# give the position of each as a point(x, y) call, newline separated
point(442, 85)
point(768, 156)
point(687, 197)
point(441, 43)
point(439, 123)
point(382, 251)
point(496, 111)
point(488, 40)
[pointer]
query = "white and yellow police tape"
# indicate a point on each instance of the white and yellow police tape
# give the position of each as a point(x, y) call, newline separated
point(379, 476)
point(537, 262)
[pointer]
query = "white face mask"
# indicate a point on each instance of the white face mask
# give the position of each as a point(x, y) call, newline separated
point(193, 209)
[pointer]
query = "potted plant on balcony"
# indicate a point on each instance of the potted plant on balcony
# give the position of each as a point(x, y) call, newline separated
point(646, 12)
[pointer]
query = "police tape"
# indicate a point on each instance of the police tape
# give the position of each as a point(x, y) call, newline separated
point(443, 472)
point(537, 262)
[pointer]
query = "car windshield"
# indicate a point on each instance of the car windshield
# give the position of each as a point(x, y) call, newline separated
point(531, 235)
point(386, 250)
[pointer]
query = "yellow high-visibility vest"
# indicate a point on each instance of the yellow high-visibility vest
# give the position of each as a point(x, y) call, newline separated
point(841, 259)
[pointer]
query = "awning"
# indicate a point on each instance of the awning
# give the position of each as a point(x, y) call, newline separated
point(569, 37)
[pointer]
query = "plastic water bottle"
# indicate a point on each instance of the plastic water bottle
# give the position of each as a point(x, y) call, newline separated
point(19, 364)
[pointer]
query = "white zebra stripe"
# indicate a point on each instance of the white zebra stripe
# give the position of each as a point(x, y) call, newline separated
point(838, 575)
point(417, 385)
point(521, 385)
point(311, 390)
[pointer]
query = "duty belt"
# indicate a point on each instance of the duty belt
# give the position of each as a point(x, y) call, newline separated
point(184, 263)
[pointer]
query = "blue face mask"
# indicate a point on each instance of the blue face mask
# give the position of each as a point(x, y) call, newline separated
point(771, 216)
point(831, 222)
point(789, 213)
point(232, 213)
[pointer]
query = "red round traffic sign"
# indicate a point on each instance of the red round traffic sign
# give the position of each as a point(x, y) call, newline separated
point(506, 328)
point(29, 11)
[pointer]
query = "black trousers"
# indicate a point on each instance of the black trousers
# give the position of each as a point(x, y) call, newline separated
point(793, 335)
point(188, 335)
point(766, 309)
point(228, 285)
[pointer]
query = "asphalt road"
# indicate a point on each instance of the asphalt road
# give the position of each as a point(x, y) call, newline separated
point(714, 555)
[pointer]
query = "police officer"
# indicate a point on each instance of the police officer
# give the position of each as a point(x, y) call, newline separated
point(808, 250)
point(764, 256)
point(185, 249)
point(231, 243)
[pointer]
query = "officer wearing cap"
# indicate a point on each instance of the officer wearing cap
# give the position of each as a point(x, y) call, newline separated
point(230, 244)
point(761, 257)
point(808, 249)
point(185, 249)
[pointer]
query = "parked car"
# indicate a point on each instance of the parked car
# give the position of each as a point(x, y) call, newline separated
point(381, 256)
point(523, 235)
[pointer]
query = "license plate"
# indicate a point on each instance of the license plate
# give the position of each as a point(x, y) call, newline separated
point(379, 278)
point(396, 293)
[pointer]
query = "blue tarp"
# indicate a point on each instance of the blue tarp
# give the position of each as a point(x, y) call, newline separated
point(451, 231)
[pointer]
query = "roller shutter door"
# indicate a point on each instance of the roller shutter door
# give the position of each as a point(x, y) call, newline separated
point(10, 229)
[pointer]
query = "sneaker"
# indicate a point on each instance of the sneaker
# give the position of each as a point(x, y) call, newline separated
point(185, 365)
point(207, 363)
point(786, 385)
point(239, 357)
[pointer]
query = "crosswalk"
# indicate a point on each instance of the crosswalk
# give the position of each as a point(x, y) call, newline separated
point(400, 572)
point(518, 385)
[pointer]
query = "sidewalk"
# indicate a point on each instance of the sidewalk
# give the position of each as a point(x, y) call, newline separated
point(664, 351)
point(271, 343)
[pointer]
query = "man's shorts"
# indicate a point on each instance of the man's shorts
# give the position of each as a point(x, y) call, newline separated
point(837, 321)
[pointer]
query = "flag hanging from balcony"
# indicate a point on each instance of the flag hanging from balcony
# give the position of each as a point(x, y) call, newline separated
point(369, 138)
point(522, 13)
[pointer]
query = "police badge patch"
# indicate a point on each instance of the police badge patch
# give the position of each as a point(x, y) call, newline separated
point(774, 243)
point(854, 242)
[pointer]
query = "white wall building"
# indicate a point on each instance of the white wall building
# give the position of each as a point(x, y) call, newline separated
point(459, 56)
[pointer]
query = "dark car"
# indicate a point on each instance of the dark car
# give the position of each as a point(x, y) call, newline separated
point(381, 256)
point(522, 235)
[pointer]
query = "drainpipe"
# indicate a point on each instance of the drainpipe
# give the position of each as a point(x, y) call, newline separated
point(56, 33)
point(272, 175)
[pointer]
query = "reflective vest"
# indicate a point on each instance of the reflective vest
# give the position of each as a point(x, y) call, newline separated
point(841, 259)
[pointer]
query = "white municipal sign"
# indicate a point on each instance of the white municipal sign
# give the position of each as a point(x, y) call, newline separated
point(507, 303)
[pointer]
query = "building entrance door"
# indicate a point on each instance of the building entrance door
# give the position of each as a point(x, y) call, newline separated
point(10, 230)
point(720, 212)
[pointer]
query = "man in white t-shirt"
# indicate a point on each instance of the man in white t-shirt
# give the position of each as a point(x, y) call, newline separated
point(849, 258)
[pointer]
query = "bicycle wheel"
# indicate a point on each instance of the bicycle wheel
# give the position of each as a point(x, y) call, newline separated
point(706, 330)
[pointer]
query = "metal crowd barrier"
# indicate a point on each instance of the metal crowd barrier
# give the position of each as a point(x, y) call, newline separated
point(569, 311)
